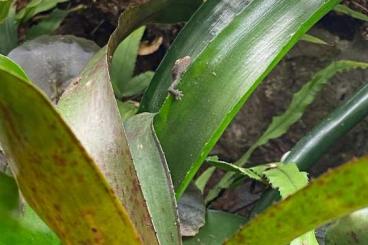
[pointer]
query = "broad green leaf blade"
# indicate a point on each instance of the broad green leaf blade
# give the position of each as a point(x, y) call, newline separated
point(311, 147)
point(155, 180)
point(138, 84)
point(9, 34)
point(204, 26)
point(123, 62)
point(218, 228)
point(323, 200)
point(280, 124)
point(5, 6)
point(242, 55)
point(43, 148)
point(340, 8)
point(47, 26)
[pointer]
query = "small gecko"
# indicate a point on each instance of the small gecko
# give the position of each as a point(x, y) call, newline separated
point(178, 69)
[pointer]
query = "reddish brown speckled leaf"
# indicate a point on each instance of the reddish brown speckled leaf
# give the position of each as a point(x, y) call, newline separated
point(55, 174)
point(90, 109)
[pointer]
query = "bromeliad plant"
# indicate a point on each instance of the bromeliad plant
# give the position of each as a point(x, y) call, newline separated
point(94, 178)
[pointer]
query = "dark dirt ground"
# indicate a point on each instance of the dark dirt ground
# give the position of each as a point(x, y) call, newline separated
point(349, 38)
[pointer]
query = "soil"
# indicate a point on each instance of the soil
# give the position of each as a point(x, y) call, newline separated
point(97, 20)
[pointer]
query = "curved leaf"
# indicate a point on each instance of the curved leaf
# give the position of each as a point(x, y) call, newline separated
point(13, 68)
point(224, 76)
point(324, 199)
point(43, 148)
point(155, 180)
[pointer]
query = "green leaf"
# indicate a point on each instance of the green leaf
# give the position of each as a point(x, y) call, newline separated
point(155, 181)
point(204, 26)
point(280, 124)
point(219, 227)
point(63, 169)
point(203, 179)
point(123, 62)
point(323, 200)
point(242, 55)
point(25, 229)
point(35, 7)
point(313, 39)
point(127, 109)
point(253, 173)
point(310, 148)
point(138, 84)
point(48, 25)
point(287, 179)
point(13, 68)
point(308, 238)
point(341, 8)
point(9, 34)
point(5, 6)
point(9, 196)
point(20, 227)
